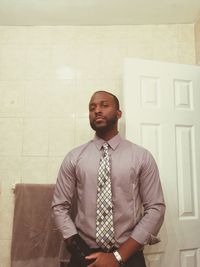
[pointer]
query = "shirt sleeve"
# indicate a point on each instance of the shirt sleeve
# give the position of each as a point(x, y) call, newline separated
point(63, 198)
point(151, 194)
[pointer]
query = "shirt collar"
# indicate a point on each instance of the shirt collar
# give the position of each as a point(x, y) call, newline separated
point(113, 142)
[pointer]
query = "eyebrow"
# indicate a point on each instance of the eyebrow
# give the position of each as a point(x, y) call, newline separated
point(101, 102)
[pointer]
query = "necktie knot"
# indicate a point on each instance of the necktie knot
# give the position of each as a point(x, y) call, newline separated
point(105, 149)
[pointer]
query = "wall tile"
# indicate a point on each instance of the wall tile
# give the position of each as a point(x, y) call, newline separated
point(34, 169)
point(10, 163)
point(144, 51)
point(35, 137)
point(15, 35)
point(170, 36)
point(6, 220)
point(37, 98)
point(171, 54)
point(61, 98)
point(64, 55)
point(13, 62)
point(7, 181)
point(88, 60)
point(7, 203)
point(186, 33)
point(53, 98)
point(10, 173)
point(45, 35)
point(112, 58)
point(186, 55)
point(6, 215)
point(11, 98)
point(38, 62)
point(6, 262)
point(4, 33)
point(61, 135)
point(5, 246)
point(10, 136)
point(88, 36)
point(197, 41)
point(54, 164)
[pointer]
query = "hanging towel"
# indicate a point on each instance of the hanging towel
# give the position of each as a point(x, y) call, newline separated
point(35, 242)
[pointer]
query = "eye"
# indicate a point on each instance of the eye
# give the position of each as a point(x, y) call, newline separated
point(105, 105)
point(91, 108)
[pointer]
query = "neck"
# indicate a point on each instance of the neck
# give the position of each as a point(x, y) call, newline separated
point(108, 135)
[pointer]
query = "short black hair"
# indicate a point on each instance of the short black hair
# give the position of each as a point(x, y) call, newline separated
point(116, 100)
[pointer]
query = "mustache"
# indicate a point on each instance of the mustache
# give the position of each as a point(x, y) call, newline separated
point(99, 117)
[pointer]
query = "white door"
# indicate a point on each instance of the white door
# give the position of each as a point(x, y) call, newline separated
point(162, 113)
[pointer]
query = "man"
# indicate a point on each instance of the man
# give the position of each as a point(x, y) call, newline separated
point(133, 209)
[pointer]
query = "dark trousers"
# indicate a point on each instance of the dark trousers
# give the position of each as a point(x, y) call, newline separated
point(136, 260)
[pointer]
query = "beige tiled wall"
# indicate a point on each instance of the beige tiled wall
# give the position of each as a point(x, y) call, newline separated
point(47, 75)
point(197, 41)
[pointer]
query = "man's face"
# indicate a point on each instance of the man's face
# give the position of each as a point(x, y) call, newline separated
point(103, 113)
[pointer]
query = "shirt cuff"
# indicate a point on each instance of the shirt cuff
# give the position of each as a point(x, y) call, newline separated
point(67, 233)
point(144, 238)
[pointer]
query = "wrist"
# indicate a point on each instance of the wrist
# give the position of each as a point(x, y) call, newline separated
point(68, 241)
point(118, 258)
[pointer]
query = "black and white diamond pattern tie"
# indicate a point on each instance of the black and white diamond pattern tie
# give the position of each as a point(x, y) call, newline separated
point(104, 219)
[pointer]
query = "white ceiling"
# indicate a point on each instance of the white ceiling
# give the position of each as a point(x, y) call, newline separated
point(98, 12)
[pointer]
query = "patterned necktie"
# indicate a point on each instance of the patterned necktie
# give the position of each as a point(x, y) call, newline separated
point(104, 219)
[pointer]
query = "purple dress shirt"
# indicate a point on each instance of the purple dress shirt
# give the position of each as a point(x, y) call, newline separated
point(138, 203)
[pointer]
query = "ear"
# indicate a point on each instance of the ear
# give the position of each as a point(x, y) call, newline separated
point(119, 114)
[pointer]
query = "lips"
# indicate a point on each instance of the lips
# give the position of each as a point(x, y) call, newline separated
point(99, 119)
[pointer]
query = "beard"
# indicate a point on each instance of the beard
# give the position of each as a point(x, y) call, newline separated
point(104, 127)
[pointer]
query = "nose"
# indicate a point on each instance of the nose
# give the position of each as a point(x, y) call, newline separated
point(97, 109)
